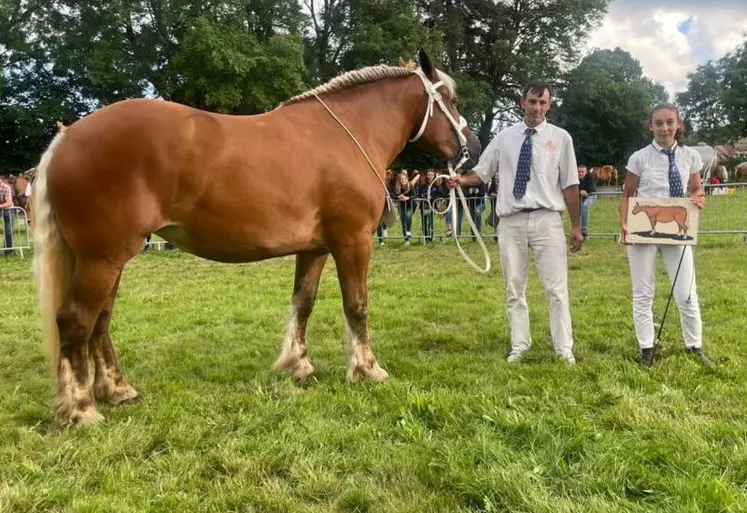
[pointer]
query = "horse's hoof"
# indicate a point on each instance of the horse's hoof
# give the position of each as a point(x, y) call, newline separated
point(374, 373)
point(79, 418)
point(113, 391)
point(122, 394)
point(298, 368)
point(377, 374)
point(302, 370)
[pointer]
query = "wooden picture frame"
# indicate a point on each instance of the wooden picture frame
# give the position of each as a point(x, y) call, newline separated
point(673, 221)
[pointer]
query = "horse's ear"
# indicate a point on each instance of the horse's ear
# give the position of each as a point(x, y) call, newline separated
point(426, 65)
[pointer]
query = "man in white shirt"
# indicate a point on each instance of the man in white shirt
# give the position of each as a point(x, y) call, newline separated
point(537, 171)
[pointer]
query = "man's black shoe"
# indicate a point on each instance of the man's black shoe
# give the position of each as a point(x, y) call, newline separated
point(700, 355)
point(647, 357)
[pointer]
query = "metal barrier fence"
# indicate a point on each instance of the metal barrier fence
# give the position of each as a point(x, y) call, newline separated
point(427, 225)
point(14, 229)
point(154, 241)
point(725, 213)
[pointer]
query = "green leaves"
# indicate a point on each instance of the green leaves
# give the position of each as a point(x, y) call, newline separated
point(226, 69)
point(501, 45)
point(716, 98)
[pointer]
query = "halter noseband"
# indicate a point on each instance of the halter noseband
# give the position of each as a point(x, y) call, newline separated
point(434, 96)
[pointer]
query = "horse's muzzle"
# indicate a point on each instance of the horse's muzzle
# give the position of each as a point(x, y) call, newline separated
point(475, 150)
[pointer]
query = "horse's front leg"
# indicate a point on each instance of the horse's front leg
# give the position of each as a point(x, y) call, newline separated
point(652, 220)
point(293, 357)
point(352, 270)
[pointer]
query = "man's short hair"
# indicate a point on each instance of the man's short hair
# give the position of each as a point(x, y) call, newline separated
point(538, 87)
point(583, 166)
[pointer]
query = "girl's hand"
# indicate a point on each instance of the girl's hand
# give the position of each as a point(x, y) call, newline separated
point(624, 236)
point(698, 200)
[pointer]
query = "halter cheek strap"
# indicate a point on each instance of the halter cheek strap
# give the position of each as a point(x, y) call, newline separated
point(435, 97)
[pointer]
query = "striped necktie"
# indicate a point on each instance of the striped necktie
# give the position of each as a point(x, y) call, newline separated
point(525, 164)
point(675, 180)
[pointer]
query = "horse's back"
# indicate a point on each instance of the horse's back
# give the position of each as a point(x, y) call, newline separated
point(231, 188)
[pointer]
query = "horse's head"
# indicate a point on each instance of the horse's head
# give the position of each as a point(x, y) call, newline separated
point(443, 130)
point(637, 208)
point(21, 182)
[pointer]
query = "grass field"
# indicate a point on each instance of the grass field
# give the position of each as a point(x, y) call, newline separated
point(455, 429)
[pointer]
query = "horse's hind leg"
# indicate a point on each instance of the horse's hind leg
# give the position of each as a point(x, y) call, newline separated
point(352, 271)
point(91, 285)
point(682, 227)
point(293, 355)
point(109, 384)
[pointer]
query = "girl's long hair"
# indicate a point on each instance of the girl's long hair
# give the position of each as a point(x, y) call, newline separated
point(398, 188)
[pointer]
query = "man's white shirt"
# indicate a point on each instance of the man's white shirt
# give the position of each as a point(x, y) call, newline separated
point(553, 167)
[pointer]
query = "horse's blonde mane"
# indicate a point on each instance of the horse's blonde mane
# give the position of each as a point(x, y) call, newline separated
point(366, 75)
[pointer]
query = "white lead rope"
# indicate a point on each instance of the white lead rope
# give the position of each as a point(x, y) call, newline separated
point(454, 206)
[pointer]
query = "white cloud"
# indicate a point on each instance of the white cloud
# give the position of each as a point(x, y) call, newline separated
point(725, 30)
point(649, 32)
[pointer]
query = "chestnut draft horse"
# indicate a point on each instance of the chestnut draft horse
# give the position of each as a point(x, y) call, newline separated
point(658, 214)
point(231, 189)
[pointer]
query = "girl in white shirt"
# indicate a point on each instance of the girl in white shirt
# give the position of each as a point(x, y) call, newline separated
point(649, 176)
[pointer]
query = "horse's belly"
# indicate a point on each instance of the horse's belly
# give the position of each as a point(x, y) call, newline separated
point(235, 243)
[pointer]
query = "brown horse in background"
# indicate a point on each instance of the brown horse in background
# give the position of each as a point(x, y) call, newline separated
point(231, 189)
point(18, 185)
point(740, 173)
point(605, 175)
point(660, 214)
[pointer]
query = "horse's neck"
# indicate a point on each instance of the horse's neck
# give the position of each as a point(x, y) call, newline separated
point(381, 115)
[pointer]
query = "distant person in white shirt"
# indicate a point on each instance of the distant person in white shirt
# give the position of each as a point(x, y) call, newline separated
point(537, 171)
point(664, 169)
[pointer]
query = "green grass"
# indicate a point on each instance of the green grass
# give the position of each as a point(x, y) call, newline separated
point(455, 429)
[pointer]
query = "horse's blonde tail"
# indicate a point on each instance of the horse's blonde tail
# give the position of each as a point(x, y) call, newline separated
point(53, 260)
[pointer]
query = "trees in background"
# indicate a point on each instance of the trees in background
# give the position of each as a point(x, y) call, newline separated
point(64, 58)
point(606, 100)
point(715, 102)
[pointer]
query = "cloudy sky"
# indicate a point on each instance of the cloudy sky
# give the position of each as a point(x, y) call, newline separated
point(671, 37)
